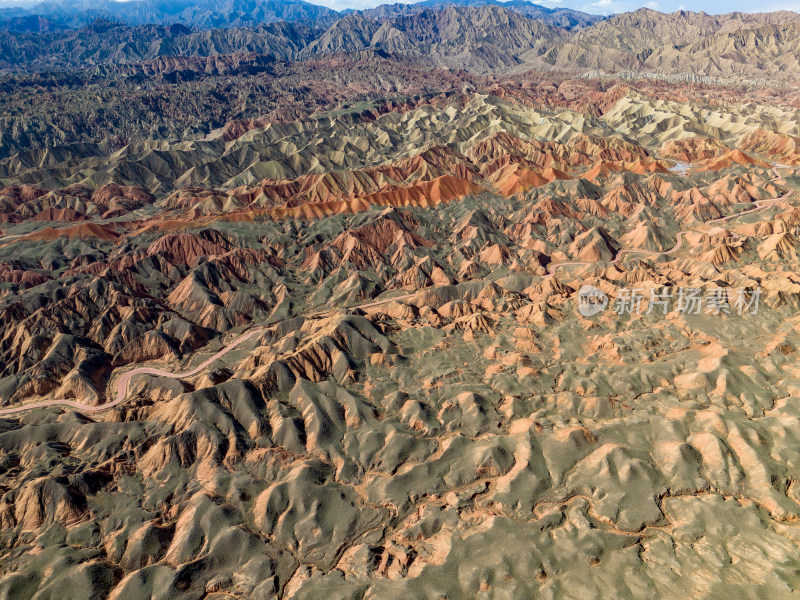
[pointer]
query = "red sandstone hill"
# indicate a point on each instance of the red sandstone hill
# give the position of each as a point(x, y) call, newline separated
point(86, 230)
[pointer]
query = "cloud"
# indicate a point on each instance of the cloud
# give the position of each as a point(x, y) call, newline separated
point(653, 5)
point(606, 7)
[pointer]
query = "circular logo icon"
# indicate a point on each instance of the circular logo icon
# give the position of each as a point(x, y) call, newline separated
point(591, 301)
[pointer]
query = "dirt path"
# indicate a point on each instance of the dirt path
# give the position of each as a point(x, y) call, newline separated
point(122, 384)
point(760, 205)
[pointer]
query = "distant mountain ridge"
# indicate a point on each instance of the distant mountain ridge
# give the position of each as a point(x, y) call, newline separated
point(106, 43)
point(481, 38)
point(732, 45)
point(558, 17)
point(209, 14)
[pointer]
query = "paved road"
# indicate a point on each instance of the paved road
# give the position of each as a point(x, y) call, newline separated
point(122, 384)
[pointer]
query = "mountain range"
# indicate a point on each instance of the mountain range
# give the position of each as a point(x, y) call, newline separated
point(477, 37)
point(312, 330)
point(202, 13)
point(47, 16)
point(437, 301)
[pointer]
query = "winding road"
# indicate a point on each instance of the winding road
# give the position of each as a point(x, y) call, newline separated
point(122, 384)
point(760, 205)
point(124, 380)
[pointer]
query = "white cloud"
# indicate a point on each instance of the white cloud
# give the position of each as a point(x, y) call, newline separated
point(608, 7)
point(653, 5)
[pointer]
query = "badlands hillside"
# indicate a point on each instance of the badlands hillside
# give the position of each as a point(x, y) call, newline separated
point(294, 303)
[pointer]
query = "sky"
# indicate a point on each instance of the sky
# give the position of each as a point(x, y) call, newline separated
point(608, 7)
point(599, 7)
